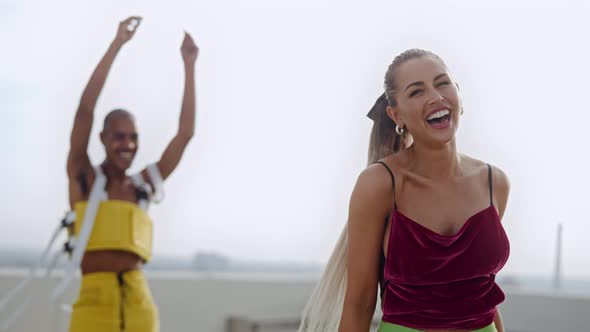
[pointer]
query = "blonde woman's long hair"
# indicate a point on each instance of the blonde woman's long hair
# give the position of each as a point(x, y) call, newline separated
point(324, 308)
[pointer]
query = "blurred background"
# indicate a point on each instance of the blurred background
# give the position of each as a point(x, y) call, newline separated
point(283, 87)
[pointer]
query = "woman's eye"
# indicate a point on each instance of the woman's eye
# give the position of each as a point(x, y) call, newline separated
point(415, 92)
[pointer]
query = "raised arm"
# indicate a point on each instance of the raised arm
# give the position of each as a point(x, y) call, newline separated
point(186, 124)
point(370, 203)
point(78, 156)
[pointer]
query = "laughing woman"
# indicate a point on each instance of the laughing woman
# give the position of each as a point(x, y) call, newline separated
point(424, 224)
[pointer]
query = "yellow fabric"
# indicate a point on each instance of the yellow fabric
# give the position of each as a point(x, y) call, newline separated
point(119, 225)
point(111, 303)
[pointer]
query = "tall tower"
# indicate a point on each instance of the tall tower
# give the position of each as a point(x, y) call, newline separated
point(557, 267)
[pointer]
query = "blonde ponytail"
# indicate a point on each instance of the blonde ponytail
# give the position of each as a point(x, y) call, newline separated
point(323, 310)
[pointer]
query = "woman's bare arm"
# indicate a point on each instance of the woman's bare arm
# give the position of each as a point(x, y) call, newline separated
point(370, 203)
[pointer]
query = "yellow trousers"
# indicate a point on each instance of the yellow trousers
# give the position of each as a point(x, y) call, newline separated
point(113, 302)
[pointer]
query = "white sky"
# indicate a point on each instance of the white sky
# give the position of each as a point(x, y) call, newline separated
point(283, 89)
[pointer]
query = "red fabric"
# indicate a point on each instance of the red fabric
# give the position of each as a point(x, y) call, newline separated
point(437, 281)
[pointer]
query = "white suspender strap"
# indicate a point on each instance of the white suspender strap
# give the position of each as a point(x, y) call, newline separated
point(157, 181)
point(140, 183)
point(97, 194)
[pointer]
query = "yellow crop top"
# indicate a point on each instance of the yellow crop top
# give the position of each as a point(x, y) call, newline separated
point(119, 225)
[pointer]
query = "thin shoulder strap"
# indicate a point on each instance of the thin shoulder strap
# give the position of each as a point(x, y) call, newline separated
point(490, 184)
point(392, 181)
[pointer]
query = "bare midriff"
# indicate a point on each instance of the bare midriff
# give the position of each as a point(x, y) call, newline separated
point(110, 261)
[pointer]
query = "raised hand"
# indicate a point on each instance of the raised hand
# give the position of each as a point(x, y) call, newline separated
point(189, 50)
point(186, 123)
point(127, 29)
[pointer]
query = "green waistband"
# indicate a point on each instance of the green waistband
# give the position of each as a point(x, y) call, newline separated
point(388, 327)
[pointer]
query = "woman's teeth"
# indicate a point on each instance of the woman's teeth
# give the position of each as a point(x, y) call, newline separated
point(438, 114)
point(126, 155)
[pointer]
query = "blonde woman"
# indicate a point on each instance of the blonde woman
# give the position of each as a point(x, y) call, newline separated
point(424, 222)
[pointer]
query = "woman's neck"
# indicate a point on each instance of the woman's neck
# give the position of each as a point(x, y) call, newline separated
point(435, 163)
point(113, 173)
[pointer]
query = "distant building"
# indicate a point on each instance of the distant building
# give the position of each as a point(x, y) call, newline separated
point(211, 262)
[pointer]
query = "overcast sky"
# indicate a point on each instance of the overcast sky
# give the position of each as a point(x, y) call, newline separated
point(283, 89)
